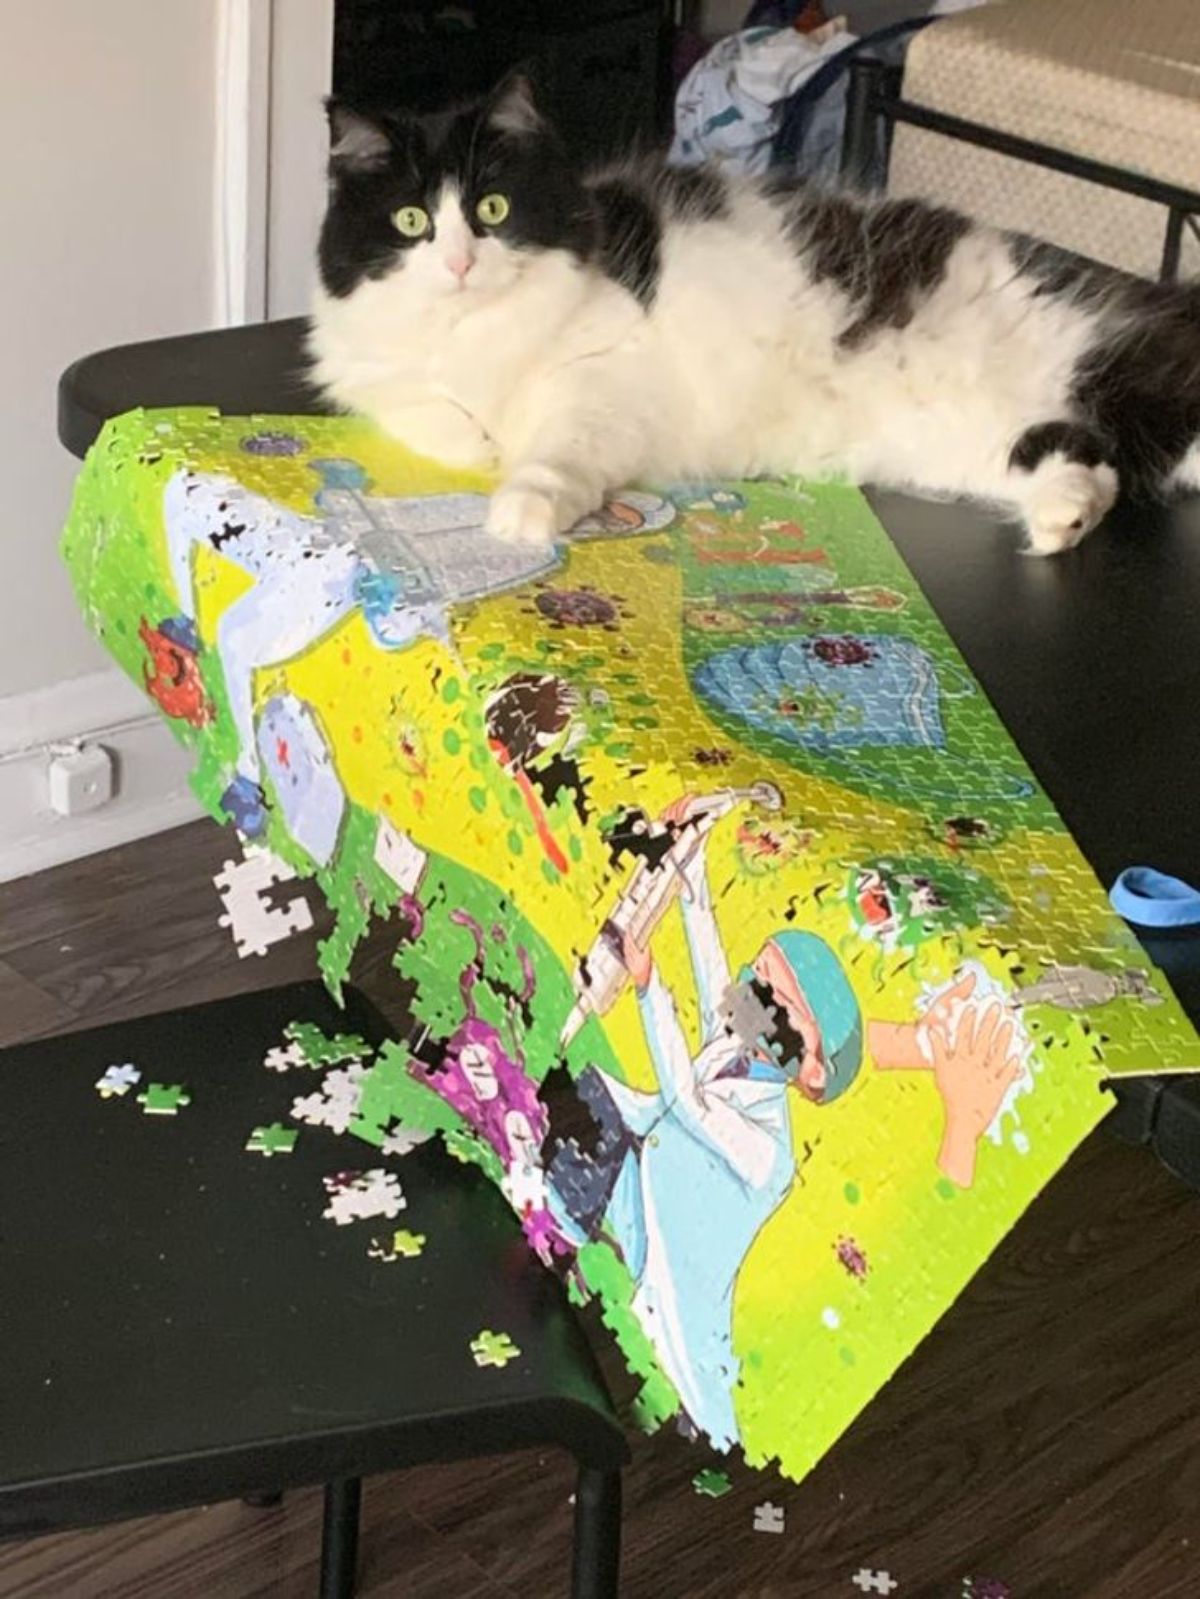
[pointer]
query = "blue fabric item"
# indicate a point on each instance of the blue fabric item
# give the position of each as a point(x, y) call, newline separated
point(810, 132)
point(245, 805)
point(1150, 898)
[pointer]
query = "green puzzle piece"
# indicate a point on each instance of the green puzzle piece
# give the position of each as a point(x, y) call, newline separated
point(320, 1050)
point(163, 1099)
point(273, 1140)
point(712, 1484)
point(493, 1349)
point(403, 1244)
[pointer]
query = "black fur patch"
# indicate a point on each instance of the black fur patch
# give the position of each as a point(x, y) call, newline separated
point(1074, 440)
point(1141, 385)
point(693, 193)
point(629, 237)
point(886, 258)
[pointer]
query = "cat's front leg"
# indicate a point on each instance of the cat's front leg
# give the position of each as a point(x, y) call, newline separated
point(579, 435)
point(539, 501)
point(1064, 479)
point(442, 431)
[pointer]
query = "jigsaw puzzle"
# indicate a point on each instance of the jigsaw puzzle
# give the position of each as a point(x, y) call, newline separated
point(273, 1140)
point(116, 1081)
point(769, 1518)
point(493, 1349)
point(699, 810)
point(163, 1099)
point(362, 1195)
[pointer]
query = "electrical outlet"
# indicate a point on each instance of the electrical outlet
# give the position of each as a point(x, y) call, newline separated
point(80, 780)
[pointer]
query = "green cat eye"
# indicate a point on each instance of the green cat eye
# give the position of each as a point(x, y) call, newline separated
point(411, 221)
point(493, 209)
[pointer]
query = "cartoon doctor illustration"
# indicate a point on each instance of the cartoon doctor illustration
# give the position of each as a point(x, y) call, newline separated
point(707, 1159)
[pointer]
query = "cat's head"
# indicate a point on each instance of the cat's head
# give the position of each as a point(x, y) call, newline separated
point(452, 204)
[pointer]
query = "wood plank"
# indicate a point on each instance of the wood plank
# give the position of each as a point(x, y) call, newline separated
point(27, 1011)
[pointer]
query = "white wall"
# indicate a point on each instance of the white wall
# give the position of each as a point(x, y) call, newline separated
point(123, 217)
point(106, 174)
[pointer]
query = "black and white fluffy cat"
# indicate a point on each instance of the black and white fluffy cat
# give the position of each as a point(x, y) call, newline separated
point(489, 306)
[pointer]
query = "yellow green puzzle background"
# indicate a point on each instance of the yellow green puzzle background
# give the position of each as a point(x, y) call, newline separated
point(815, 1338)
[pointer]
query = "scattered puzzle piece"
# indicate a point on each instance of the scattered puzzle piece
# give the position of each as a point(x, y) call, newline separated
point(358, 1196)
point(283, 1057)
point(874, 1581)
point(401, 1245)
point(401, 1140)
point(117, 1081)
point(711, 1483)
point(768, 1517)
point(273, 1140)
point(254, 923)
point(493, 1349)
point(320, 1050)
point(163, 1099)
point(335, 1103)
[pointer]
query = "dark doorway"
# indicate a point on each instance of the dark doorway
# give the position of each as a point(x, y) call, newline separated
point(601, 66)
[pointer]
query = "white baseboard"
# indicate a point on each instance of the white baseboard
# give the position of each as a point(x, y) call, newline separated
point(152, 790)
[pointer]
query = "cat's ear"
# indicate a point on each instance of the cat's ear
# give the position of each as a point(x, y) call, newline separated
point(512, 107)
point(357, 143)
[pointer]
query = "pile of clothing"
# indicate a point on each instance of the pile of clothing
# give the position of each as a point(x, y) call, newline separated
point(774, 94)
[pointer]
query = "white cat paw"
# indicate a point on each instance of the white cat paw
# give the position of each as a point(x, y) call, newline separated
point(521, 516)
point(1065, 503)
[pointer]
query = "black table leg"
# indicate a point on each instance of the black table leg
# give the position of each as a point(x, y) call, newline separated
point(596, 1561)
point(339, 1541)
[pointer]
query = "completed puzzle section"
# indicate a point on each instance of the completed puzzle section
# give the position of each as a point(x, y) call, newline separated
point(699, 811)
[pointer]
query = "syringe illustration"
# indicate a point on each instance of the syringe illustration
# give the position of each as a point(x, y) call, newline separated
point(601, 977)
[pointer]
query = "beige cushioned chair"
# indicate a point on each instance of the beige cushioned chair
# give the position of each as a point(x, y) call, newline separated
point(1115, 80)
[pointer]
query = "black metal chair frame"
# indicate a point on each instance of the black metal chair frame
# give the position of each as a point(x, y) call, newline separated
point(874, 96)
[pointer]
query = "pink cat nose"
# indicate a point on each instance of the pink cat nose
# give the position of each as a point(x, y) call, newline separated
point(460, 265)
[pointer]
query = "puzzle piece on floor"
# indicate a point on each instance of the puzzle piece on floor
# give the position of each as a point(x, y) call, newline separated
point(402, 1245)
point(874, 1581)
point(334, 1105)
point(401, 1140)
point(273, 1140)
point(163, 1099)
point(493, 1349)
point(116, 1081)
point(768, 1517)
point(282, 1057)
point(711, 1483)
point(318, 1049)
point(254, 923)
point(360, 1196)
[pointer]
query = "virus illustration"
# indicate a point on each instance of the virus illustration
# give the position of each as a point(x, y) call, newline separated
point(845, 651)
point(852, 1257)
point(717, 756)
point(764, 846)
point(714, 619)
point(581, 607)
point(175, 683)
point(273, 444)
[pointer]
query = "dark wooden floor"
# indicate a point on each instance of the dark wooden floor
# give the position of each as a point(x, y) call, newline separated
point(1047, 1435)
